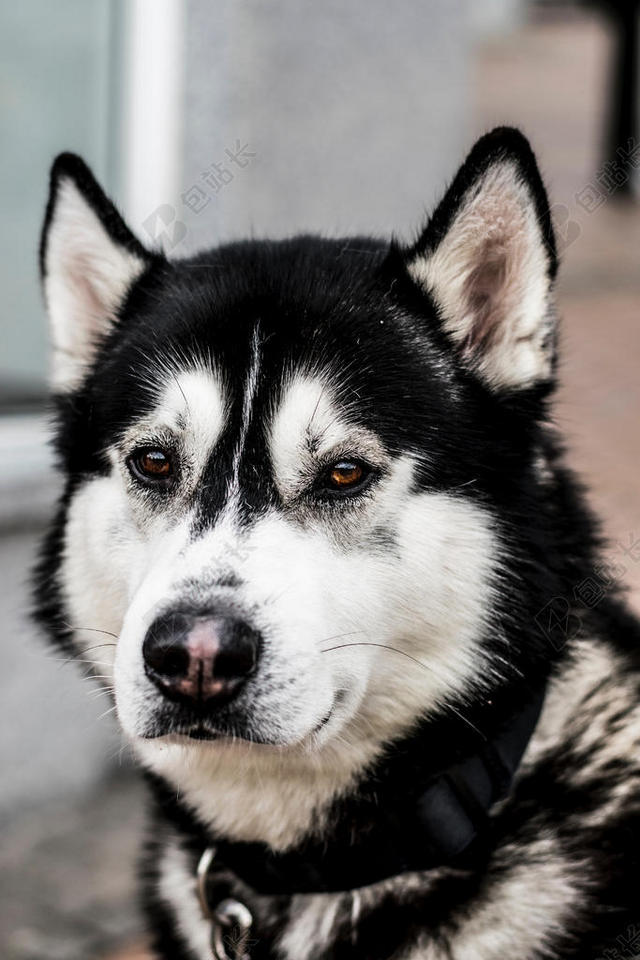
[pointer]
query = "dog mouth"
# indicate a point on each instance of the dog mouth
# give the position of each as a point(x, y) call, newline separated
point(337, 701)
point(327, 717)
point(203, 732)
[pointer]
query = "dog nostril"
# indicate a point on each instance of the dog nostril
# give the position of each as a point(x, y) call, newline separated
point(238, 650)
point(234, 664)
point(164, 650)
point(167, 660)
point(175, 663)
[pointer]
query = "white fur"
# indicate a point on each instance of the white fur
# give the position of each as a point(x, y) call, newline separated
point(312, 928)
point(177, 887)
point(581, 706)
point(194, 402)
point(96, 564)
point(87, 276)
point(250, 389)
point(523, 909)
point(496, 223)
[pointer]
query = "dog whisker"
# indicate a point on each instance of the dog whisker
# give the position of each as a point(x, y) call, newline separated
point(420, 663)
point(105, 714)
point(93, 663)
point(383, 646)
point(107, 633)
point(96, 694)
point(340, 636)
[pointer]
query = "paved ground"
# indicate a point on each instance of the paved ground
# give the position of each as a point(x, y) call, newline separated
point(135, 952)
point(67, 876)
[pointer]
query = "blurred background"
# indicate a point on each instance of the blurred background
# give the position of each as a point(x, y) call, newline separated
point(210, 121)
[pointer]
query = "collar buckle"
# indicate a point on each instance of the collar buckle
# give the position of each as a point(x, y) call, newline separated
point(230, 920)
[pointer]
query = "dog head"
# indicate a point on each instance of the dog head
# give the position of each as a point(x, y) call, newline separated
point(293, 468)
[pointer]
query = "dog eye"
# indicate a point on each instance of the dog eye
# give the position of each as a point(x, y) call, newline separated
point(347, 476)
point(151, 465)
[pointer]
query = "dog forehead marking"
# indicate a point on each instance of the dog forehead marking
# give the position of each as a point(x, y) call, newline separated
point(194, 399)
point(308, 424)
point(248, 399)
point(306, 414)
point(190, 404)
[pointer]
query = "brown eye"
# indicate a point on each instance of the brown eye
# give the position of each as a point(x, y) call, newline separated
point(151, 464)
point(346, 475)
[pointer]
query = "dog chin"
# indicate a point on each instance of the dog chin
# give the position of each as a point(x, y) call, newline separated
point(196, 732)
point(202, 737)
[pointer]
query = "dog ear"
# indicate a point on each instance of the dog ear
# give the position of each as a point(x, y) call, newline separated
point(89, 260)
point(487, 259)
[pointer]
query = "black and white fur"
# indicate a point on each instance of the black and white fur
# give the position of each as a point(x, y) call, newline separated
point(257, 364)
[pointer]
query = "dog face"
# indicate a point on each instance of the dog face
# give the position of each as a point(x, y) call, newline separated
point(287, 462)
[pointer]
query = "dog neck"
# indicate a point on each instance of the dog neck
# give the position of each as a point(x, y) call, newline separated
point(417, 807)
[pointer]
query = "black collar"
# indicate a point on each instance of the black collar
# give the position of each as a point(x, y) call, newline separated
point(444, 822)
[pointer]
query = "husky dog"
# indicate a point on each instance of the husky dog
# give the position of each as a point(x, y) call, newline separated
point(318, 540)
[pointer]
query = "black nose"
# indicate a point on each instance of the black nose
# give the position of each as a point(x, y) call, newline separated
point(200, 658)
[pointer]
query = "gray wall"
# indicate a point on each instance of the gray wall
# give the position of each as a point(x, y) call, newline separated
point(357, 112)
point(54, 82)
